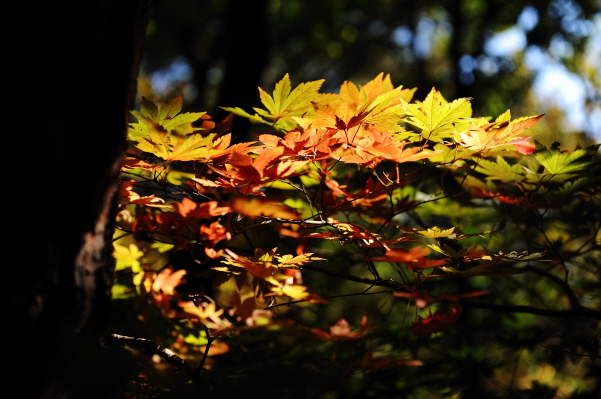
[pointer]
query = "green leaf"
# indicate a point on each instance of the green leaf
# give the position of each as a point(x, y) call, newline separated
point(500, 170)
point(166, 117)
point(283, 105)
point(286, 103)
point(240, 112)
point(436, 117)
point(172, 108)
point(183, 122)
point(149, 109)
point(556, 161)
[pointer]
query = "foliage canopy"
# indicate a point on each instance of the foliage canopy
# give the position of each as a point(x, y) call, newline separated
point(389, 246)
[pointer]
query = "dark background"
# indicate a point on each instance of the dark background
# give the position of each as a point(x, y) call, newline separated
point(218, 52)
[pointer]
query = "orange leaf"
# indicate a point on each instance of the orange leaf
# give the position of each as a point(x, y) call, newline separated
point(206, 210)
point(255, 206)
point(128, 194)
point(167, 280)
point(414, 258)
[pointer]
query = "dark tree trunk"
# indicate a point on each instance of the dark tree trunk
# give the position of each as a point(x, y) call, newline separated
point(75, 71)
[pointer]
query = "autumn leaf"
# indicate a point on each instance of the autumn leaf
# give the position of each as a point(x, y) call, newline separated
point(296, 292)
point(436, 117)
point(165, 117)
point(209, 315)
point(164, 132)
point(173, 145)
point(348, 230)
point(259, 265)
point(249, 174)
point(134, 163)
point(433, 323)
point(377, 104)
point(205, 210)
point(283, 104)
point(498, 134)
point(556, 161)
point(127, 257)
point(413, 258)
point(290, 261)
point(433, 232)
point(341, 331)
point(256, 206)
point(167, 279)
point(374, 146)
point(128, 194)
point(241, 309)
point(214, 233)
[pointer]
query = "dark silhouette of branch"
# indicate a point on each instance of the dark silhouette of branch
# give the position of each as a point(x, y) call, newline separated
point(165, 353)
point(561, 283)
point(572, 353)
point(383, 283)
point(579, 311)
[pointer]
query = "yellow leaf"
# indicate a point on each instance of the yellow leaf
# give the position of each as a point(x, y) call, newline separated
point(127, 257)
point(436, 117)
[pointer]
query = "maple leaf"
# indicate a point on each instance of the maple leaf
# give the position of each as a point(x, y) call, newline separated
point(498, 134)
point(127, 257)
point(377, 104)
point(426, 326)
point(500, 170)
point(134, 163)
point(556, 161)
point(244, 310)
point(241, 309)
point(433, 323)
point(244, 172)
point(164, 132)
point(341, 331)
point(290, 261)
point(373, 146)
point(173, 145)
point(214, 233)
point(436, 117)
point(128, 194)
point(259, 265)
point(296, 292)
point(433, 232)
point(210, 316)
point(165, 117)
point(206, 210)
point(414, 258)
point(284, 103)
point(349, 230)
point(166, 281)
point(256, 206)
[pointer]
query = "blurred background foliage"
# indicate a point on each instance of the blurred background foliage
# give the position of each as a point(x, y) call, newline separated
point(531, 57)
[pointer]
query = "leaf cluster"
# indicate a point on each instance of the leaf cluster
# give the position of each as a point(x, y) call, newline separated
point(356, 205)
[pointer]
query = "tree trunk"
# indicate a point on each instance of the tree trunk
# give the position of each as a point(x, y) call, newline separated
point(76, 68)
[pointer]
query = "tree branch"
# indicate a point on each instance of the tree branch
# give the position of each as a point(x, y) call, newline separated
point(580, 311)
point(165, 354)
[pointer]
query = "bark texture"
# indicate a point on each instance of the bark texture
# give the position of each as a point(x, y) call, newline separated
point(74, 69)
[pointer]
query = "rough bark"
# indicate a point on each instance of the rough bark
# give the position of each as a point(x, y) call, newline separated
point(75, 71)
